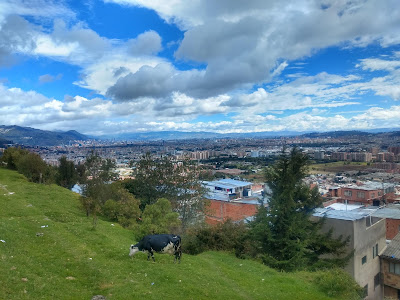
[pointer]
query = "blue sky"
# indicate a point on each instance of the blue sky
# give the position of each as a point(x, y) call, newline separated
point(118, 66)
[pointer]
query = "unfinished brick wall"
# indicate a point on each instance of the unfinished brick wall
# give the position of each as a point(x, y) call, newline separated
point(392, 228)
point(220, 211)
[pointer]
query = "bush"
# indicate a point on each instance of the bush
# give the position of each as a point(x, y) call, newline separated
point(227, 236)
point(158, 218)
point(338, 284)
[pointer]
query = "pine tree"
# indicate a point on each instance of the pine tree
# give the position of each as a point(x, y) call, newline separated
point(284, 233)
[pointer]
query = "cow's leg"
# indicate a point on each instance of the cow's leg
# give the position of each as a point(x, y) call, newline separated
point(148, 255)
point(178, 256)
point(152, 255)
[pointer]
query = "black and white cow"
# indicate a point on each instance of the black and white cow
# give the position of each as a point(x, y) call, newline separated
point(160, 243)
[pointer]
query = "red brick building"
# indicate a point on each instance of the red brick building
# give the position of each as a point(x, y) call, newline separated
point(232, 199)
point(371, 193)
point(220, 211)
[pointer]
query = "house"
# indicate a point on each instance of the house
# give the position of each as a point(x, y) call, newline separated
point(228, 189)
point(367, 236)
point(390, 268)
point(368, 194)
point(392, 215)
point(232, 199)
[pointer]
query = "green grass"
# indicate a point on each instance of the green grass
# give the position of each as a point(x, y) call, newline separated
point(339, 166)
point(71, 260)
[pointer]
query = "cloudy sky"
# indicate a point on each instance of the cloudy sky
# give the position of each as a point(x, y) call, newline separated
point(117, 66)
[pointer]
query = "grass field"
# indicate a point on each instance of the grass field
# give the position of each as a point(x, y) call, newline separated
point(336, 167)
point(49, 250)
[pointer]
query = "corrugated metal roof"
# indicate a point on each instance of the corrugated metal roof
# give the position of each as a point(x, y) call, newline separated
point(228, 183)
point(349, 215)
point(393, 249)
point(389, 213)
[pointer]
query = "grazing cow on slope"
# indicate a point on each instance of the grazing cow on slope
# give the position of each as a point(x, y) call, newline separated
point(160, 243)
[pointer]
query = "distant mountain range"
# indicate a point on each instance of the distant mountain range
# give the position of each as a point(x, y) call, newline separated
point(36, 137)
point(180, 135)
point(176, 135)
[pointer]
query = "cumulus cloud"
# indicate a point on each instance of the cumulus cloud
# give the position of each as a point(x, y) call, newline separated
point(238, 55)
point(241, 42)
point(146, 43)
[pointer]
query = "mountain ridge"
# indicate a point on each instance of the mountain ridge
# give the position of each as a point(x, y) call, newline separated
point(35, 137)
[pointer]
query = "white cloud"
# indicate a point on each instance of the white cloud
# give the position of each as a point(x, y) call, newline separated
point(240, 42)
point(105, 72)
point(146, 43)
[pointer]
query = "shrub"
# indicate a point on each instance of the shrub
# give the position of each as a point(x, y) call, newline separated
point(337, 283)
point(228, 236)
point(158, 218)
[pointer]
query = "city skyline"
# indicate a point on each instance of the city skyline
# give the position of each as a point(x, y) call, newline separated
point(118, 66)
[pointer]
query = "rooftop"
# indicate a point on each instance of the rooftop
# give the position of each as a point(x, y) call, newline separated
point(391, 212)
point(349, 215)
point(392, 250)
point(369, 186)
point(228, 183)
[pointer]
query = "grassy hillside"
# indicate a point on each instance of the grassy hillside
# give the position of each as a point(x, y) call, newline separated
point(68, 259)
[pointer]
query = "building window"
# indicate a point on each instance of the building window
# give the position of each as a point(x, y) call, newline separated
point(364, 260)
point(347, 193)
point(377, 280)
point(361, 195)
point(375, 251)
point(394, 268)
point(365, 290)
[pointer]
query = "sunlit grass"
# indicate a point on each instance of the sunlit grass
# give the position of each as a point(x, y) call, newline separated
point(51, 251)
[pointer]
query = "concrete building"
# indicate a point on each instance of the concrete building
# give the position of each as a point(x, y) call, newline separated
point(228, 189)
point(390, 268)
point(231, 199)
point(319, 154)
point(367, 239)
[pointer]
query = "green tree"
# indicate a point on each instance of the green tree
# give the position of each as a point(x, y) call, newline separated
point(33, 167)
point(284, 233)
point(98, 172)
point(177, 181)
point(122, 206)
point(158, 218)
point(67, 174)
point(12, 155)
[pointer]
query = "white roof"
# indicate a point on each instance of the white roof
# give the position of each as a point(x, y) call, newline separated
point(342, 206)
point(228, 183)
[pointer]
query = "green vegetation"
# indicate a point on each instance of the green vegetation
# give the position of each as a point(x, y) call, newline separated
point(178, 182)
point(286, 237)
point(69, 259)
point(338, 166)
point(29, 164)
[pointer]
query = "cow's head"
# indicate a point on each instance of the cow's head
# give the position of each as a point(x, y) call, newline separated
point(133, 250)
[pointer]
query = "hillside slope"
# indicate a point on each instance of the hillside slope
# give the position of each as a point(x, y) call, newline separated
point(49, 250)
point(36, 137)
